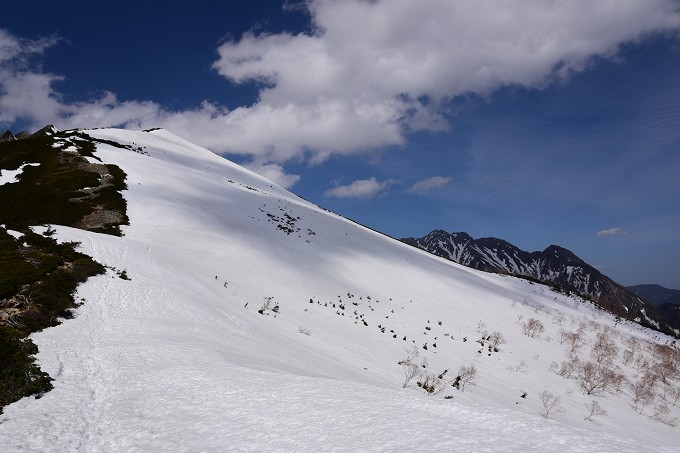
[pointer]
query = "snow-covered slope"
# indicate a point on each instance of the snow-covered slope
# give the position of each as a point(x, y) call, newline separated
point(253, 320)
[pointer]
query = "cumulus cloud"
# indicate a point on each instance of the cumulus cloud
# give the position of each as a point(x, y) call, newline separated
point(369, 73)
point(362, 188)
point(426, 185)
point(274, 172)
point(25, 93)
point(616, 231)
point(413, 57)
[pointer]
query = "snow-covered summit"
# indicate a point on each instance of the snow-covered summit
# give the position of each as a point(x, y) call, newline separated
point(253, 320)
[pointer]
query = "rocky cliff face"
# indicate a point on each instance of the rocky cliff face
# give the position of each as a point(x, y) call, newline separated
point(554, 266)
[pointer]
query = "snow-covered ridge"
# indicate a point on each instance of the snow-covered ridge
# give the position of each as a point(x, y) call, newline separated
point(554, 266)
point(253, 320)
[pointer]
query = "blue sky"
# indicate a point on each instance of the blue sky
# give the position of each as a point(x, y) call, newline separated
point(537, 122)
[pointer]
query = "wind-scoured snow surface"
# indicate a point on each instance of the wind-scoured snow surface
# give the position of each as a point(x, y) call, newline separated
point(178, 358)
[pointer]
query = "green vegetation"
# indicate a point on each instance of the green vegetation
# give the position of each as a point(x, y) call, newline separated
point(63, 189)
point(19, 375)
point(38, 276)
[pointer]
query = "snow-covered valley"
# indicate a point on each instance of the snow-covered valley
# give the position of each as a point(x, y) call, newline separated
point(252, 320)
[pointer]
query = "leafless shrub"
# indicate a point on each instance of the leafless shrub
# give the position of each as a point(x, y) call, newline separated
point(432, 383)
point(660, 412)
point(574, 340)
point(643, 395)
point(551, 404)
point(521, 367)
point(563, 336)
point(568, 367)
point(628, 357)
point(650, 378)
point(673, 394)
point(660, 409)
point(672, 422)
point(532, 327)
point(304, 331)
point(633, 347)
point(411, 365)
point(604, 349)
point(559, 318)
point(666, 366)
point(466, 376)
point(592, 324)
point(267, 305)
point(594, 378)
point(641, 363)
point(583, 325)
point(594, 409)
point(496, 339)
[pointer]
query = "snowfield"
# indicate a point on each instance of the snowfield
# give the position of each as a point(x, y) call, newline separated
point(253, 320)
point(11, 176)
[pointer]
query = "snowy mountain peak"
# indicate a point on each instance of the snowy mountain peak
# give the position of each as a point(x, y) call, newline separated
point(554, 266)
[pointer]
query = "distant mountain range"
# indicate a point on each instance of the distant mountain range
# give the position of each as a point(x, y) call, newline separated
point(554, 266)
point(657, 294)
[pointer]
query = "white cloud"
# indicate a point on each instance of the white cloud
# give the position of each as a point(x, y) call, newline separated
point(9, 46)
point(369, 73)
point(362, 188)
point(616, 231)
point(424, 186)
point(275, 173)
point(25, 93)
point(13, 48)
point(391, 64)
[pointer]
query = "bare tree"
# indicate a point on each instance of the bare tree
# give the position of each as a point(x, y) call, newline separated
point(628, 356)
point(466, 376)
point(551, 404)
point(432, 383)
point(604, 349)
point(641, 363)
point(660, 409)
point(559, 318)
point(563, 335)
point(574, 340)
point(666, 366)
point(532, 327)
point(521, 367)
point(643, 395)
point(594, 409)
point(674, 394)
point(568, 367)
point(633, 348)
point(411, 366)
point(594, 378)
